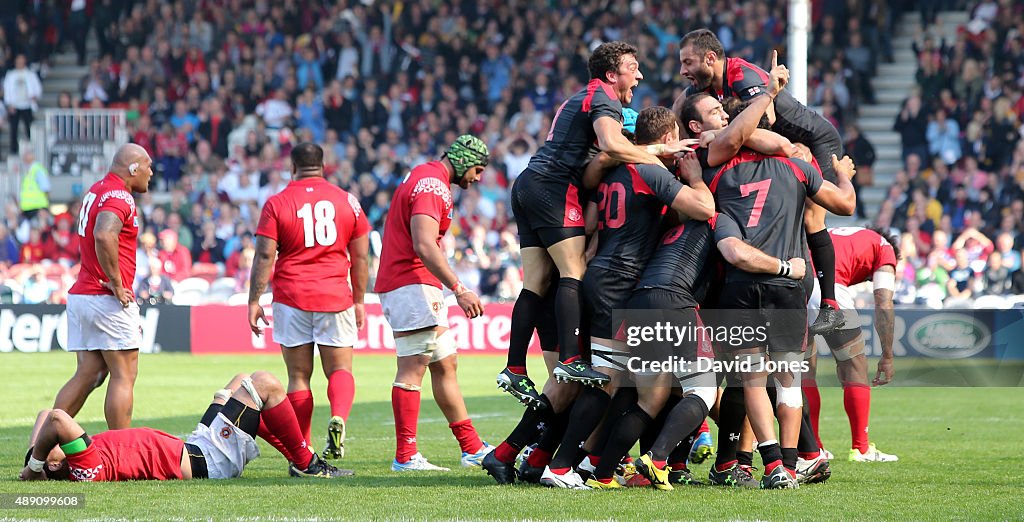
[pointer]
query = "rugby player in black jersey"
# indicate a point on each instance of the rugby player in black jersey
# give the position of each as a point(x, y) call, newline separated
point(765, 196)
point(546, 204)
point(703, 61)
point(627, 208)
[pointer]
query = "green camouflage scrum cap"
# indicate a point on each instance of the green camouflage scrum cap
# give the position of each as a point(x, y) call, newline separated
point(467, 152)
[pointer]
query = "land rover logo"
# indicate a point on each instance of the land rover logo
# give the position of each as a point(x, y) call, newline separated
point(949, 336)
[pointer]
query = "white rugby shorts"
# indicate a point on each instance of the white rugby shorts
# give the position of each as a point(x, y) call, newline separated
point(226, 447)
point(414, 307)
point(845, 300)
point(99, 322)
point(294, 327)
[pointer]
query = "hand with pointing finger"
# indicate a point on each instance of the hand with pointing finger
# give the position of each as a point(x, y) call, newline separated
point(778, 77)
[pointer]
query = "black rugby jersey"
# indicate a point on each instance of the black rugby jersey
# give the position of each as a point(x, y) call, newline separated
point(630, 202)
point(682, 263)
point(572, 142)
point(765, 195)
point(793, 119)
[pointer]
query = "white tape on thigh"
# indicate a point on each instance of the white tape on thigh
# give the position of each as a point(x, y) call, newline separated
point(419, 343)
point(251, 388)
point(444, 345)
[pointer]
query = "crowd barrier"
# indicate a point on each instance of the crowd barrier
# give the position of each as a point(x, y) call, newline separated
point(222, 329)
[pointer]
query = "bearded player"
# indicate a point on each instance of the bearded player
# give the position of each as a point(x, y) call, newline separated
point(413, 271)
point(704, 63)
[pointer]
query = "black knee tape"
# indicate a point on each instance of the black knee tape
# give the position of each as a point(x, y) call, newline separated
point(243, 417)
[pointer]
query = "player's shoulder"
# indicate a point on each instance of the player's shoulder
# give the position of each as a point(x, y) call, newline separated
point(599, 93)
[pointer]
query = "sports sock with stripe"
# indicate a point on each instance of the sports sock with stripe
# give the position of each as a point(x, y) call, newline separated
point(524, 320)
point(586, 414)
point(341, 392)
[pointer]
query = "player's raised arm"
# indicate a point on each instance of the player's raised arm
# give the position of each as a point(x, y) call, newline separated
point(727, 143)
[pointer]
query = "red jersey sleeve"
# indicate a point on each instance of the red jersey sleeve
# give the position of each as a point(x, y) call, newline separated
point(86, 466)
point(362, 225)
point(427, 199)
point(267, 226)
point(885, 256)
point(120, 202)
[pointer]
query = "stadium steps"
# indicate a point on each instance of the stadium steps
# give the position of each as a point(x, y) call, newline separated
point(892, 85)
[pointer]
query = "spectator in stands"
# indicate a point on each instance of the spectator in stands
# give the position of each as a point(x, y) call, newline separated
point(208, 248)
point(943, 137)
point(37, 288)
point(175, 259)
point(1011, 258)
point(22, 90)
point(863, 154)
point(912, 124)
point(996, 278)
point(960, 286)
point(10, 252)
point(34, 250)
point(155, 288)
point(64, 242)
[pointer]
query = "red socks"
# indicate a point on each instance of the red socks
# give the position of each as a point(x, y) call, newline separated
point(302, 403)
point(406, 407)
point(468, 439)
point(506, 453)
point(264, 433)
point(341, 391)
point(539, 458)
point(857, 400)
point(518, 370)
point(282, 422)
point(810, 388)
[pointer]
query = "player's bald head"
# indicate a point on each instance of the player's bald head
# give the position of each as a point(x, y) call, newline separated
point(126, 155)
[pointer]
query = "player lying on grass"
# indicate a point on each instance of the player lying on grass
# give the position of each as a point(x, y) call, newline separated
point(219, 448)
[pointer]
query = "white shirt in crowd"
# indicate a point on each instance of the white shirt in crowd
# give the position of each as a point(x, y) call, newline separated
point(22, 88)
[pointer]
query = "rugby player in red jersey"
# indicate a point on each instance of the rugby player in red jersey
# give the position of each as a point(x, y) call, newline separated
point(413, 271)
point(219, 448)
point(862, 255)
point(318, 233)
point(104, 327)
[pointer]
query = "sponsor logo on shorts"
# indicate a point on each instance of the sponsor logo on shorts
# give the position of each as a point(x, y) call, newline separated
point(435, 306)
point(574, 215)
point(225, 432)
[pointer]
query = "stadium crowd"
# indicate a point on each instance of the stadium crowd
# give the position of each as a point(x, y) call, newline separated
point(960, 198)
point(218, 95)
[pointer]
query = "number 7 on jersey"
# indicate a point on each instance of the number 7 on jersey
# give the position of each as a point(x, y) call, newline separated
point(760, 190)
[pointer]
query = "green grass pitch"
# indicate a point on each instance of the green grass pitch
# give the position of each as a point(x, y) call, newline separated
point(961, 456)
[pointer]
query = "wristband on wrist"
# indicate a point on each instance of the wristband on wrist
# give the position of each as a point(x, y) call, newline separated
point(459, 289)
point(36, 465)
point(785, 268)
